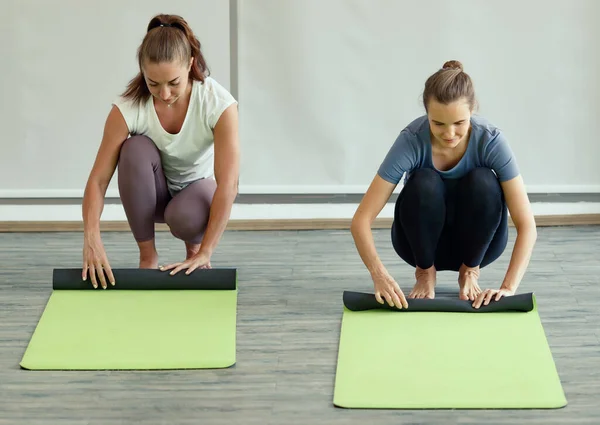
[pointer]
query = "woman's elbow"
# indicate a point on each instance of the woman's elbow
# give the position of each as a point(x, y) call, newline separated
point(359, 223)
point(527, 228)
point(235, 187)
point(228, 186)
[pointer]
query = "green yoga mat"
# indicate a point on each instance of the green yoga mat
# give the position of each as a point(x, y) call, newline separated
point(148, 320)
point(444, 354)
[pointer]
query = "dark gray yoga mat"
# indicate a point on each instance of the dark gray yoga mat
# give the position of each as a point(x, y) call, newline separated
point(361, 301)
point(151, 279)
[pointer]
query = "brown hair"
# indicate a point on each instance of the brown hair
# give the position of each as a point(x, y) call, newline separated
point(168, 38)
point(449, 84)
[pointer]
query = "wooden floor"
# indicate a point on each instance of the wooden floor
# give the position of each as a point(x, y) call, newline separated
point(290, 305)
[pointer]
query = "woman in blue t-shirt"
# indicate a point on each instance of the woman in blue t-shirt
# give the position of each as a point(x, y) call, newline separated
point(460, 177)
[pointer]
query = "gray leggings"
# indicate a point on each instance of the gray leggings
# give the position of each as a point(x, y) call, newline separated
point(146, 199)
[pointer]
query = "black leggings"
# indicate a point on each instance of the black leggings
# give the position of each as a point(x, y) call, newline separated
point(450, 222)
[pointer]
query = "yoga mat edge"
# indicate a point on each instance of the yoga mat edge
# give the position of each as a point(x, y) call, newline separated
point(364, 377)
point(202, 305)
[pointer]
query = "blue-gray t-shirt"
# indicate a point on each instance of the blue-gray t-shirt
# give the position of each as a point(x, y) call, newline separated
point(412, 150)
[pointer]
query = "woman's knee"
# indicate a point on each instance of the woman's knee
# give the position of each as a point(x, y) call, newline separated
point(481, 187)
point(186, 227)
point(188, 213)
point(401, 245)
point(482, 181)
point(424, 187)
point(424, 177)
point(136, 150)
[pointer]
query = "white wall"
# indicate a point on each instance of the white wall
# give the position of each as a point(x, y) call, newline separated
point(324, 86)
point(66, 61)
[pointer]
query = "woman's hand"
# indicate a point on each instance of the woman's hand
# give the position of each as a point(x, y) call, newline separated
point(199, 261)
point(95, 260)
point(386, 287)
point(486, 296)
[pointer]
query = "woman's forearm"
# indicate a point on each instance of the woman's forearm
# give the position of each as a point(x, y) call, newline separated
point(524, 243)
point(92, 207)
point(365, 245)
point(220, 211)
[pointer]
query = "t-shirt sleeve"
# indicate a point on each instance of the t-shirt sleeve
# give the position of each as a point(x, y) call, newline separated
point(400, 159)
point(499, 156)
point(218, 100)
point(131, 114)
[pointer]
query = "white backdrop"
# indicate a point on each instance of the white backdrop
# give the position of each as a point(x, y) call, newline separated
point(64, 63)
point(324, 86)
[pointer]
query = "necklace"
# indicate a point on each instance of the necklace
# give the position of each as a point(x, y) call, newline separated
point(168, 104)
point(171, 104)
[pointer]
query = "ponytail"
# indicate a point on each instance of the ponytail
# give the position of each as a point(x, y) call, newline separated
point(168, 38)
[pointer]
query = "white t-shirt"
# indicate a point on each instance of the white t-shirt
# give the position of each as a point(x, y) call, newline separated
point(188, 155)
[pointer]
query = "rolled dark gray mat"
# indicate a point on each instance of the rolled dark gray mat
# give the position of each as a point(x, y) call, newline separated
point(361, 301)
point(150, 279)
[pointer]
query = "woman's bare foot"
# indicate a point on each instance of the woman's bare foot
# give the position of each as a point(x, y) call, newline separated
point(148, 255)
point(468, 282)
point(191, 250)
point(425, 286)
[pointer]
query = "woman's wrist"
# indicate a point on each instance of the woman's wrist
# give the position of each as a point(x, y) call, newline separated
point(509, 286)
point(377, 269)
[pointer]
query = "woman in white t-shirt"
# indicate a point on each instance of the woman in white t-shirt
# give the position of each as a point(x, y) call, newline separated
point(174, 136)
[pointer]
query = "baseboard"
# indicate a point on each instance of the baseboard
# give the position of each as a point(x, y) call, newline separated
point(269, 224)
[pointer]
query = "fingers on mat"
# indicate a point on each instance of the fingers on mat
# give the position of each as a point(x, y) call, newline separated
point(396, 300)
point(402, 299)
point(100, 271)
point(92, 270)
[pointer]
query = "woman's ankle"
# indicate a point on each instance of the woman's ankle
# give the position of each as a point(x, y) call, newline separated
point(191, 250)
point(148, 254)
point(429, 272)
point(464, 270)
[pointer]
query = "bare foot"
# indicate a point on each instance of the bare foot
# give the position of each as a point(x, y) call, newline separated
point(425, 286)
point(191, 250)
point(148, 255)
point(468, 282)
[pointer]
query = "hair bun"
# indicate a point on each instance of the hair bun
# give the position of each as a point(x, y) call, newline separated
point(453, 65)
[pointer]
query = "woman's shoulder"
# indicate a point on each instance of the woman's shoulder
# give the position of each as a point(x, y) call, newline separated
point(416, 134)
point(213, 97)
point(418, 126)
point(488, 137)
point(210, 89)
point(484, 129)
point(407, 152)
point(133, 112)
point(413, 138)
point(493, 148)
point(127, 103)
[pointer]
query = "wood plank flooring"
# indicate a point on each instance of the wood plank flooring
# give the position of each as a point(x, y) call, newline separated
point(289, 313)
